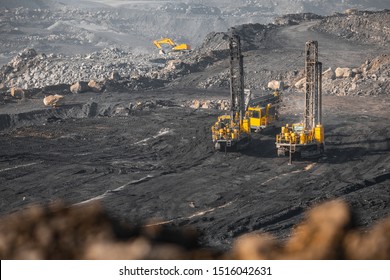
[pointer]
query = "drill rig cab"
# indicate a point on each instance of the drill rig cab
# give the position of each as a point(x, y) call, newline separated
point(262, 111)
point(306, 139)
point(233, 131)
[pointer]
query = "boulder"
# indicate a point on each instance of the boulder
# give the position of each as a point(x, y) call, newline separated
point(115, 76)
point(173, 65)
point(224, 105)
point(343, 72)
point(372, 245)
point(300, 84)
point(320, 235)
point(96, 86)
point(329, 74)
point(17, 93)
point(356, 71)
point(79, 87)
point(206, 105)
point(351, 11)
point(195, 104)
point(357, 77)
point(276, 85)
point(28, 53)
point(53, 100)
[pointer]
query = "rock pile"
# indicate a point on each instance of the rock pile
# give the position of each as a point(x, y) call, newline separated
point(371, 78)
point(218, 80)
point(362, 26)
point(220, 104)
point(29, 70)
point(293, 19)
point(183, 8)
point(87, 232)
point(117, 69)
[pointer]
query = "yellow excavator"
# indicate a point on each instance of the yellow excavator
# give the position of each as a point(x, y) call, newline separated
point(306, 139)
point(173, 47)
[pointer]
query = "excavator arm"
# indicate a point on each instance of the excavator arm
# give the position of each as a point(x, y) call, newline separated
point(168, 41)
point(173, 45)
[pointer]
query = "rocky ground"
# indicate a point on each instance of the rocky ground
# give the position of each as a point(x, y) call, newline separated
point(137, 139)
point(363, 26)
point(30, 70)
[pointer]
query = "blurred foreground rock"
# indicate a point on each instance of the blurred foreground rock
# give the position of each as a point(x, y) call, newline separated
point(87, 232)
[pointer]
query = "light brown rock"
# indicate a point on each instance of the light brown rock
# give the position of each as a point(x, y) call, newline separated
point(275, 85)
point(253, 246)
point(321, 234)
point(17, 93)
point(79, 87)
point(96, 86)
point(343, 72)
point(329, 74)
point(374, 245)
point(173, 64)
point(195, 104)
point(300, 84)
point(53, 100)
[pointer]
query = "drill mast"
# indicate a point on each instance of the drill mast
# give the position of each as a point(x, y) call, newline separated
point(236, 79)
point(306, 139)
point(313, 88)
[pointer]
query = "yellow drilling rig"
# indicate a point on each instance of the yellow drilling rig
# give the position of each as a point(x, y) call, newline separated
point(233, 131)
point(306, 139)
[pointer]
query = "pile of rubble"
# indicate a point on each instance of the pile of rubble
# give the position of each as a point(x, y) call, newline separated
point(183, 8)
point(362, 26)
point(293, 19)
point(219, 104)
point(88, 232)
point(371, 78)
point(30, 70)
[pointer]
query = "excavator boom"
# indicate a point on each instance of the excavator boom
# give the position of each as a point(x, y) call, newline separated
point(172, 45)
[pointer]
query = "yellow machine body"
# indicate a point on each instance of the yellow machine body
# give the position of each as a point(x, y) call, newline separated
point(319, 133)
point(297, 139)
point(182, 47)
point(229, 133)
point(306, 139)
point(173, 46)
point(261, 117)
